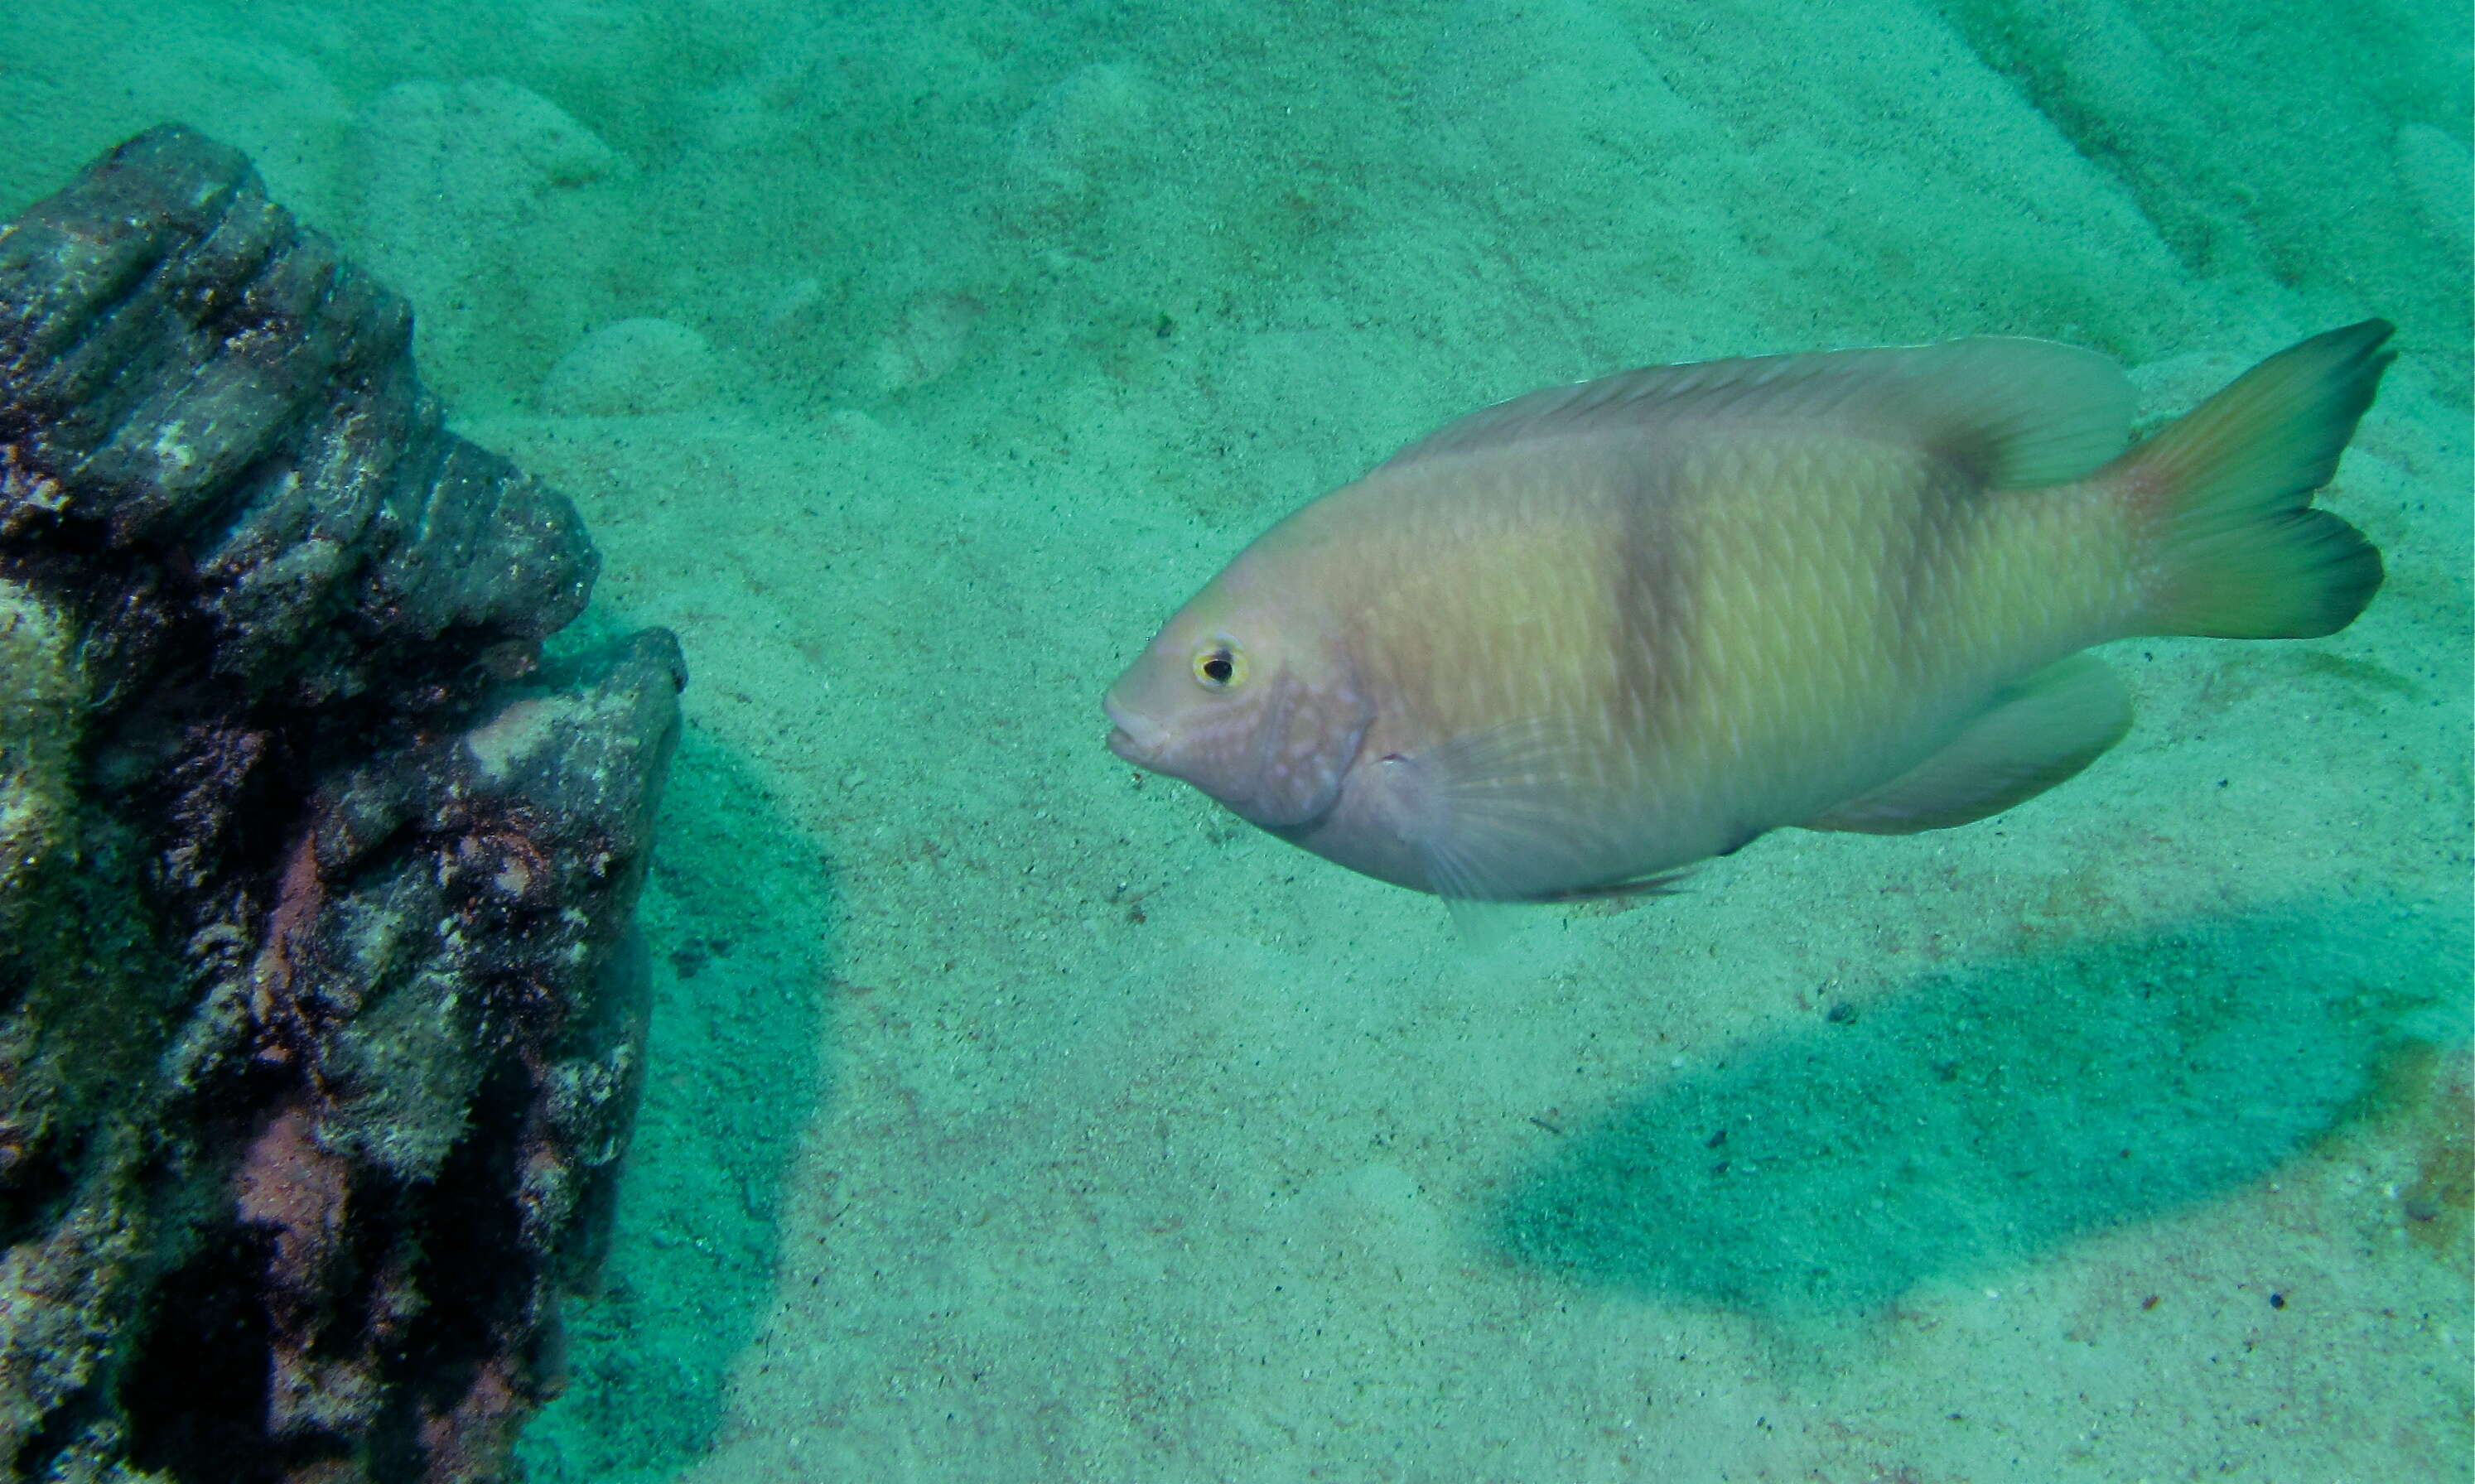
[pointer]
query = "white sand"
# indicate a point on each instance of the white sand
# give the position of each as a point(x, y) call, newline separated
point(1019, 1119)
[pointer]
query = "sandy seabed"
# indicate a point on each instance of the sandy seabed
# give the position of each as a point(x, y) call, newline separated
point(1016, 1118)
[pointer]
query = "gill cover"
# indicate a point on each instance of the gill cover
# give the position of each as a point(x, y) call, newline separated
point(1303, 747)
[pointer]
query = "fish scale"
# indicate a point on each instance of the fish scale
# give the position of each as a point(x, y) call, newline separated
point(1576, 641)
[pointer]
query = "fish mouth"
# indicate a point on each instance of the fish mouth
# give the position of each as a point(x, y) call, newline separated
point(1135, 738)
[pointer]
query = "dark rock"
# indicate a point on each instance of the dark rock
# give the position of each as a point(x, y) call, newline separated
point(218, 400)
point(320, 1014)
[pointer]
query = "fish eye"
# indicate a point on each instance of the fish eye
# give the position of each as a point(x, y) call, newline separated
point(1219, 665)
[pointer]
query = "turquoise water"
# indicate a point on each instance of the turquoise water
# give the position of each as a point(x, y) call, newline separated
point(1014, 1117)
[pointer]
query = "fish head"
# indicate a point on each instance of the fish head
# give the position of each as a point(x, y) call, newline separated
point(1249, 699)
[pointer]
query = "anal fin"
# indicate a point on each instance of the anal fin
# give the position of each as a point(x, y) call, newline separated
point(2035, 735)
point(1661, 883)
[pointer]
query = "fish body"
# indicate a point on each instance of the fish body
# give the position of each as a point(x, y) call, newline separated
point(1585, 637)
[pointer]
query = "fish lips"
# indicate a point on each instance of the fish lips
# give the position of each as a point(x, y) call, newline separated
point(1134, 736)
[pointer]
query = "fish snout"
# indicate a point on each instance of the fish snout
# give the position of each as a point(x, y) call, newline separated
point(1134, 736)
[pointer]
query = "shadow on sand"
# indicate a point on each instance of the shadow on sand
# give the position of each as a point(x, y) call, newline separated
point(737, 918)
point(1977, 1117)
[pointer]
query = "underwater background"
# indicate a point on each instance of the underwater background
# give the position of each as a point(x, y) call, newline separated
point(1012, 1116)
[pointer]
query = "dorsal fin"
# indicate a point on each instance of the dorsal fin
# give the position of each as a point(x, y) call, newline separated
point(2015, 413)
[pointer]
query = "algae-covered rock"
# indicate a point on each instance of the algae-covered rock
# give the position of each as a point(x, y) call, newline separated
point(321, 1018)
point(41, 711)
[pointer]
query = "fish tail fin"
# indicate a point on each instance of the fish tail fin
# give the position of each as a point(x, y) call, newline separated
point(2226, 491)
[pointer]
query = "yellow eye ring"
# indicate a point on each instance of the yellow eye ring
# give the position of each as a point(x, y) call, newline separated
point(1219, 666)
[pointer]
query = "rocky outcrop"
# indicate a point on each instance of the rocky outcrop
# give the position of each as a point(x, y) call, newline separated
point(320, 1020)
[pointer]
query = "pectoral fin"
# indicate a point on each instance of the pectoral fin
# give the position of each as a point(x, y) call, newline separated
point(1508, 814)
point(2037, 733)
